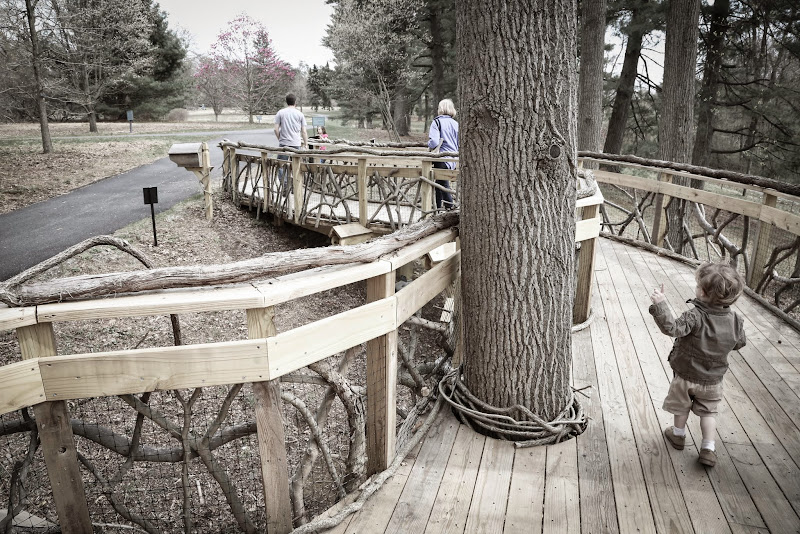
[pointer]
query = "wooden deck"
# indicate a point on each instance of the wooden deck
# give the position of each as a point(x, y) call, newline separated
point(620, 475)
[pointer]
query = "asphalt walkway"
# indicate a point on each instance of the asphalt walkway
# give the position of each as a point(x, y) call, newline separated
point(37, 232)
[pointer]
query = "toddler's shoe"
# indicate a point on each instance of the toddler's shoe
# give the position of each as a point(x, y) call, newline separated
point(708, 457)
point(676, 441)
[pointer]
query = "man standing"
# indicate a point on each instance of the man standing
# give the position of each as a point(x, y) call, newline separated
point(290, 129)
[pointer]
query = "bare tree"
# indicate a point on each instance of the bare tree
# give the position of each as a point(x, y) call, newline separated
point(36, 63)
point(590, 98)
point(676, 126)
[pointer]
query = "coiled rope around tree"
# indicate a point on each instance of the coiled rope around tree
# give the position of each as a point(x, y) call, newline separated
point(514, 423)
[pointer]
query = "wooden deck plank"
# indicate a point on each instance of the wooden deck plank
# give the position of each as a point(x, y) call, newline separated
point(376, 512)
point(776, 511)
point(630, 492)
point(449, 513)
point(525, 511)
point(561, 499)
point(724, 478)
point(597, 507)
point(691, 482)
point(414, 506)
point(488, 509)
point(669, 507)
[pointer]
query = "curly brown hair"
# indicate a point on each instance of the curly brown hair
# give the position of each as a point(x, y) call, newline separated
point(721, 283)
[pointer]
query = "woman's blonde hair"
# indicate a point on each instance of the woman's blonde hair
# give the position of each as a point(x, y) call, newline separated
point(446, 107)
point(721, 283)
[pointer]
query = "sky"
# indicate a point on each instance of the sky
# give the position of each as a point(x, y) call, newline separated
point(295, 27)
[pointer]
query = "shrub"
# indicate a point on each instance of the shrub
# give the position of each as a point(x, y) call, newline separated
point(177, 115)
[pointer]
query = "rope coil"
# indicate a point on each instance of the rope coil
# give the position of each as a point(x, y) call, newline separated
point(528, 432)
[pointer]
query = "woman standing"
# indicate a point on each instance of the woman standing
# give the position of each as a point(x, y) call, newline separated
point(443, 137)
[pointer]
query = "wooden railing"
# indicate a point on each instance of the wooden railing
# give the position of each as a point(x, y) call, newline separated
point(382, 193)
point(385, 192)
point(44, 380)
point(755, 226)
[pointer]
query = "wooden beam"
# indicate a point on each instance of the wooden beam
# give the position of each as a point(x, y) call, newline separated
point(160, 302)
point(420, 248)
point(728, 203)
point(271, 435)
point(22, 386)
point(363, 213)
point(289, 351)
point(134, 371)
point(58, 444)
point(585, 278)
point(425, 188)
point(297, 184)
point(660, 218)
point(588, 228)
point(762, 246)
point(11, 318)
point(415, 295)
point(381, 384)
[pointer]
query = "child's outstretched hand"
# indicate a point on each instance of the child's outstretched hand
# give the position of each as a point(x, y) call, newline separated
point(658, 295)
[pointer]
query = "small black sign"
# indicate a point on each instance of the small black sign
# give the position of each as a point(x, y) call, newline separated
point(130, 116)
point(150, 195)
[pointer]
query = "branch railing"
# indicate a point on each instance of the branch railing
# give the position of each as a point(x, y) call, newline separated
point(324, 189)
point(751, 221)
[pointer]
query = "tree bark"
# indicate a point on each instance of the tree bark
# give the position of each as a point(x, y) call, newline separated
point(437, 53)
point(517, 88)
point(676, 126)
point(627, 80)
point(701, 154)
point(36, 58)
point(590, 98)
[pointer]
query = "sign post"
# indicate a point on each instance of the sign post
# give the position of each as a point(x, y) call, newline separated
point(130, 119)
point(151, 197)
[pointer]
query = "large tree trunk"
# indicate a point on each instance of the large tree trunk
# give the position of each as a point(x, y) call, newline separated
point(437, 53)
point(590, 98)
point(36, 57)
point(400, 111)
point(517, 82)
point(701, 154)
point(627, 80)
point(676, 125)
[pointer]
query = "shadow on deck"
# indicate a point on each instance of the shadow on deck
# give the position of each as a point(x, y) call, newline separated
point(620, 475)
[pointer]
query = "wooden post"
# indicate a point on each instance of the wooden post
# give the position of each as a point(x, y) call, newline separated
point(58, 444)
point(207, 198)
point(271, 436)
point(762, 247)
point(660, 217)
point(226, 167)
point(297, 184)
point(381, 385)
point(363, 213)
point(427, 189)
point(234, 169)
point(583, 291)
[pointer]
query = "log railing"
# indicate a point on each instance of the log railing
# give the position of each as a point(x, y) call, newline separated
point(751, 221)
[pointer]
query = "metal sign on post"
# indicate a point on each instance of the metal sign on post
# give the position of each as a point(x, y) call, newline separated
point(151, 197)
point(318, 121)
point(130, 119)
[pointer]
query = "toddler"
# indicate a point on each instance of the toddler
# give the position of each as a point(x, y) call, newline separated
point(699, 358)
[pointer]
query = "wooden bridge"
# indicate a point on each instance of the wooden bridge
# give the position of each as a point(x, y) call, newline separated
point(619, 476)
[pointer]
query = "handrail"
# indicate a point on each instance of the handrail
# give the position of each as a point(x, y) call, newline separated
point(164, 368)
point(767, 260)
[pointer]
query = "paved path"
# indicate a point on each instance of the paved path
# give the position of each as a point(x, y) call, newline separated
point(37, 232)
